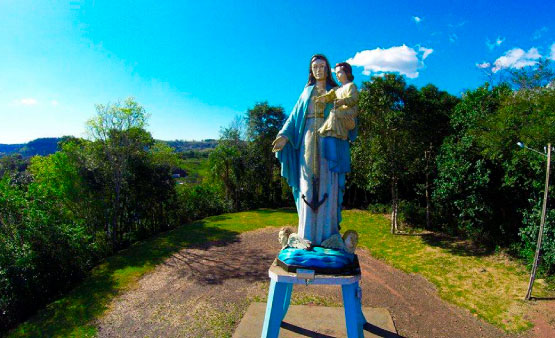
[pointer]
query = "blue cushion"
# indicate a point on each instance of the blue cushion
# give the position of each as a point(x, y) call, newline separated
point(317, 258)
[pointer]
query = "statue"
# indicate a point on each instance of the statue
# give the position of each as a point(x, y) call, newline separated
point(313, 148)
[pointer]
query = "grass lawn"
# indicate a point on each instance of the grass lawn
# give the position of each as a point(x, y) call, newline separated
point(197, 169)
point(489, 285)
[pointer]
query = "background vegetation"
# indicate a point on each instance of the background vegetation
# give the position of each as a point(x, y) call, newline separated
point(64, 213)
point(453, 164)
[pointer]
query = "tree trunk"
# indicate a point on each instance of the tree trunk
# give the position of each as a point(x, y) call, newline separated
point(427, 155)
point(427, 202)
point(365, 197)
point(394, 203)
point(113, 231)
point(396, 206)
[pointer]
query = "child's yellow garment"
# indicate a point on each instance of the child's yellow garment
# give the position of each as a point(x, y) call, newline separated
point(342, 118)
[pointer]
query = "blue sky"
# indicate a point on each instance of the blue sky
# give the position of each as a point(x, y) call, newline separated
point(195, 65)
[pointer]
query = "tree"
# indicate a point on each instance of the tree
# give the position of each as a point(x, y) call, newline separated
point(466, 187)
point(263, 124)
point(383, 150)
point(118, 130)
point(164, 155)
point(45, 244)
point(15, 166)
point(243, 163)
point(528, 116)
point(430, 127)
point(227, 162)
point(536, 76)
point(264, 121)
point(400, 130)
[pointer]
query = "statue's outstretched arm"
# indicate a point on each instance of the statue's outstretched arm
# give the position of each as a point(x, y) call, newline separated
point(327, 97)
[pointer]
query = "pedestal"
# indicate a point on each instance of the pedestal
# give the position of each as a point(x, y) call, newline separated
point(279, 296)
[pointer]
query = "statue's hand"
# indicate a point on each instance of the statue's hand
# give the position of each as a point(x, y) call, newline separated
point(339, 102)
point(350, 123)
point(320, 99)
point(279, 143)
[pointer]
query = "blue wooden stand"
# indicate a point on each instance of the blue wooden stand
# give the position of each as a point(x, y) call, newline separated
point(279, 296)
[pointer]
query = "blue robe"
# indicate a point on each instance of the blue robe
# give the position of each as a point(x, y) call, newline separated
point(335, 150)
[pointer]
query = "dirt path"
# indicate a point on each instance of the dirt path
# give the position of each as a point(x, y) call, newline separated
point(204, 291)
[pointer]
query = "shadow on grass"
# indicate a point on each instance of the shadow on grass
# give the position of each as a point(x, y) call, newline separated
point(217, 218)
point(456, 246)
point(411, 234)
point(70, 315)
point(542, 298)
point(216, 266)
point(211, 264)
point(263, 211)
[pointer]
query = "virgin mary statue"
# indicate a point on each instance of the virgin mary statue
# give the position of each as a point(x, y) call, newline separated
point(314, 166)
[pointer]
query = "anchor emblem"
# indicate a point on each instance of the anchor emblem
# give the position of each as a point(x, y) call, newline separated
point(315, 204)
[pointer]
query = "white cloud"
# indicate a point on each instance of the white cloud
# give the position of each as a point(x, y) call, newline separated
point(552, 56)
point(453, 37)
point(28, 101)
point(417, 19)
point(517, 58)
point(483, 65)
point(496, 43)
point(539, 32)
point(401, 59)
point(54, 102)
point(425, 52)
point(457, 25)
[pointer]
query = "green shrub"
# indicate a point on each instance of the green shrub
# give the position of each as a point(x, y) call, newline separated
point(529, 235)
point(199, 201)
point(412, 213)
point(380, 208)
point(409, 212)
point(42, 252)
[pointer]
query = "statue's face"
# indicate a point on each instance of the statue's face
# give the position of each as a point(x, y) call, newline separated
point(341, 75)
point(319, 69)
point(348, 242)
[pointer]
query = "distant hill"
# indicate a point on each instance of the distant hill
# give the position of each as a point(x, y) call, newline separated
point(183, 146)
point(47, 146)
point(40, 146)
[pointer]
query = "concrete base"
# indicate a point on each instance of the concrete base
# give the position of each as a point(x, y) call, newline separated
point(315, 321)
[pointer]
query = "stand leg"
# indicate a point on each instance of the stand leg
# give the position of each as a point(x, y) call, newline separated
point(274, 309)
point(353, 311)
point(288, 291)
point(361, 318)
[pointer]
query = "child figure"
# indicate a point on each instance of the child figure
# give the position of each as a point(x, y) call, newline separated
point(342, 117)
